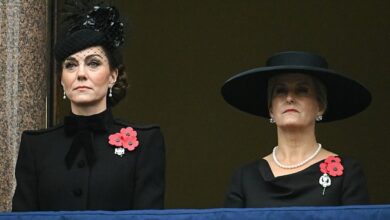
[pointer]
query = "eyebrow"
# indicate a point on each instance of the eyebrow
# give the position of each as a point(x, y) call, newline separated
point(71, 58)
point(93, 55)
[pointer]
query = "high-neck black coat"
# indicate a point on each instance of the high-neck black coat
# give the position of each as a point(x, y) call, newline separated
point(91, 177)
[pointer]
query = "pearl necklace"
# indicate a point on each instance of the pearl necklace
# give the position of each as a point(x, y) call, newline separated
point(295, 165)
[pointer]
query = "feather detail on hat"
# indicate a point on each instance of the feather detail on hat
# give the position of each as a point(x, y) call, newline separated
point(74, 10)
point(88, 23)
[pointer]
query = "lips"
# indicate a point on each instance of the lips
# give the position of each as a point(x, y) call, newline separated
point(82, 88)
point(290, 110)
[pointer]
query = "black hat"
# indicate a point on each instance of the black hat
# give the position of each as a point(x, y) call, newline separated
point(247, 91)
point(99, 26)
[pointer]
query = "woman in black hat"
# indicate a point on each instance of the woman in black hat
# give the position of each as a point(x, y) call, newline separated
point(295, 91)
point(92, 161)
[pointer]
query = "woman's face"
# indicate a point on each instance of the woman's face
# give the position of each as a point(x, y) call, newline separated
point(294, 101)
point(86, 78)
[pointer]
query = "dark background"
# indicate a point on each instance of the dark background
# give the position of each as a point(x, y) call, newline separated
point(179, 53)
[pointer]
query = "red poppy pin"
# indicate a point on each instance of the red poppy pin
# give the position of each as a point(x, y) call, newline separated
point(125, 139)
point(330, 167)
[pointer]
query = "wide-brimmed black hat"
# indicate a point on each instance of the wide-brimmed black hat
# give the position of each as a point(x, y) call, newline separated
point(247, 91)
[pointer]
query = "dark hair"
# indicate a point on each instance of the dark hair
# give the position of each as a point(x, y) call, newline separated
point(121, 84)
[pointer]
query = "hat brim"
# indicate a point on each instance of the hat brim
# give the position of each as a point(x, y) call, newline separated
point(247, 91)
point(77, 41)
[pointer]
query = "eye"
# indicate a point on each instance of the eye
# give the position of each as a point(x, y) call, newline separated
point(69, 65)
point(94, 63)
point(302, 90)
point(280, 90)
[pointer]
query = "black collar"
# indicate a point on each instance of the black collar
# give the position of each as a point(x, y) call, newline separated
point(83, 128)
point(95, 123)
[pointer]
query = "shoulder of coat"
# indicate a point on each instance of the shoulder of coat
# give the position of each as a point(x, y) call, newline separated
point(43, 131)
point(136, 126)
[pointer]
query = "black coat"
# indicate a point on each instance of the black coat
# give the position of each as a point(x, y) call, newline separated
point(96, 179)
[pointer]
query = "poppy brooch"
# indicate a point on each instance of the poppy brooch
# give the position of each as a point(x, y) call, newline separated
point(330, 167)
point(125, 139)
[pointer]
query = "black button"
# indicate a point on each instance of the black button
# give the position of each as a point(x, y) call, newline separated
point(81, 164)
point(77, 192)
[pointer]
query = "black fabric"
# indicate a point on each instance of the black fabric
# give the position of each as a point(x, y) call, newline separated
point(134, 181)
point(254, 186)
point(84, 127)
point(96, 123)
point(297, 58)
point(78, 41)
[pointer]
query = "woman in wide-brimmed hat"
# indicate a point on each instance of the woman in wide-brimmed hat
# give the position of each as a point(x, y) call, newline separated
point(295, 91)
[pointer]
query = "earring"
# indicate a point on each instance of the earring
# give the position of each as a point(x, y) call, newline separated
point(110, 92)
point(64, 96)
point(319, 118)
point(272, 120)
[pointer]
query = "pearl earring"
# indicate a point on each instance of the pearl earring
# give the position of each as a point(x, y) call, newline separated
point(64, 96)
point(319, 118)
point(110, 92)
point(272, 120)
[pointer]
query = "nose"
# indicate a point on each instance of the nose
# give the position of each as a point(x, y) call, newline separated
point(290, 98)
point(81, 73)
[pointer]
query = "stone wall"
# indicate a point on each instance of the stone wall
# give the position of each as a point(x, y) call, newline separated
point(24, 46)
